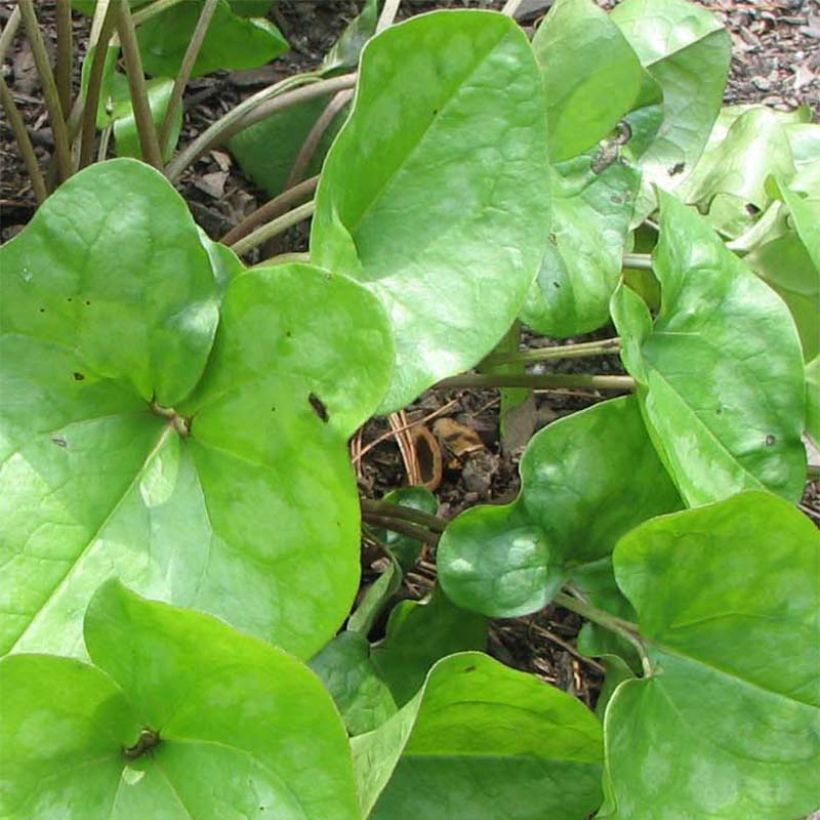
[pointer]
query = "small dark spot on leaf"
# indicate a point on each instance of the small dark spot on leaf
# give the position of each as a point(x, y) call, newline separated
point(616, 199)
point(78, 377)
point(288, 334)
point(470, 669)
point(435, 111)
point(59, 441)
point(556, 284)
point(42, 310)
point(719, 410)
point(677, 168)
point(318, 407)
point(273, 409)
point(69, 299)
point(770, 440)
point(752, 209)
point(553, 239)
point(87, 302)
point(147, 740)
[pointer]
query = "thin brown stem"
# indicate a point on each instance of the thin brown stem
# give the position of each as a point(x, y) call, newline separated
point(385, 509)
point(18, 127)
point(274, 228)
point(402, 527)
point(188, 61)
point(311, 143)
point(147, 12)
point(62, 148)
point(544, 381)
point(543, 354)
point(639, 261)
point(92, 95)
point(9, 32)
point(146, 129)
point(65, 54)
point(270, 210)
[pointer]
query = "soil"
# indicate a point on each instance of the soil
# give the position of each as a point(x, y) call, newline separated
point(776, 62)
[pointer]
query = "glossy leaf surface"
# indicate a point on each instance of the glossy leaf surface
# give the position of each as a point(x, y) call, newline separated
point(687, 52)
point(232, 42)
point(591, 74)
point(720, 370)
point(591, 213)
point(234, 725)
point(482, 740)
point(813, 398)
point(586, 480)
point(253, 515)
point(724, 593)
point(435, 192)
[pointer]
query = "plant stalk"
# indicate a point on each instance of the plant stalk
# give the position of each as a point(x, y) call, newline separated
point(638, 261)
point(545, 381)
point(188, 61)
point(146, 129)
point(277, 97)
point(271, 209)
point(402, 527)
point(385, 509)
point(62, 148)
point(543, 354)
point(38, 183)
point(626, 629)
point(511, 7)
point(388, 15)
point(64, 54)
point(153, 10)
point(9, 32)
point(274, 228)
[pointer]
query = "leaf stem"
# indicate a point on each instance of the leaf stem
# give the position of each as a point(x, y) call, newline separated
point(274, 227)
point(148, 12)
point(813, 472)
point(38, 183)
point(188, 61)
point(51, 96)
point(626, 629)
point(402, 527)
point(546, 381)
point(271, 209)
point(543, 354)
point(146, 129)
point(277, 97)
point(639, 261)
point(388, 15)
point(385, 509)
point(9, 32)
point(64, 54)
point(511, 7)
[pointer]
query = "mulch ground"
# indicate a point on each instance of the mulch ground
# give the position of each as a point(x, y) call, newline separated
point(776, 62)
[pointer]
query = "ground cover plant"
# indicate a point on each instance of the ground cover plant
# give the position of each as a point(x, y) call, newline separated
point(183, 631)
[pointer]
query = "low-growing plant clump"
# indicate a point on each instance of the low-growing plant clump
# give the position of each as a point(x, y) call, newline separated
point(182, 634)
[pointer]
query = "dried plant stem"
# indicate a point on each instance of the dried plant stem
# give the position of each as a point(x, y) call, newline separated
point(274, 228)
point(65, 55)
point(388, 15)
point(387, 510)
point(311, 143)
point(188, 61)
point(639, 261)
point(543, 354)
point(277, 97)
point(149, 142)
point(545, 381)
point(9, 32)
point(511, 7)
point(270, 210)
point(91, 103)
point(59, 128)
point(403, 527)
point(38, 183)
point(154, 9)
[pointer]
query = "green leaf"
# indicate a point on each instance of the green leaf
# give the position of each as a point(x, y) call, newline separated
point(232, 41)
point(591, 213)
point(418, 635)
point(125, 124)
point(403, 548)
point(591, 74)
point(435, 192)
point(687, 52)
point(229, 724)
point(109, 301)
point(724, 594)
point(346, 50)
point(482, 740)
point(585, 480)
point(720, 371)
point(346, 669)
point(813, 399)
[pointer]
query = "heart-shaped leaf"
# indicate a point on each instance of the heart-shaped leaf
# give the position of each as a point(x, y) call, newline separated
point(435, 192)
point(236, 498)
point(482, 740)
point(720, 370)
point(182, 716)
point(591, 213)
point(687, 52)
point(585, 481)
point(724, 594)
point(592, 75)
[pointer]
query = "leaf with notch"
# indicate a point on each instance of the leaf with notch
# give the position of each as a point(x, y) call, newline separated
point(435, 192)
point(585, 480)
point(482, 740)
point(109, 312)
point(182, 716)
point(723, 593)
point(720, 370)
